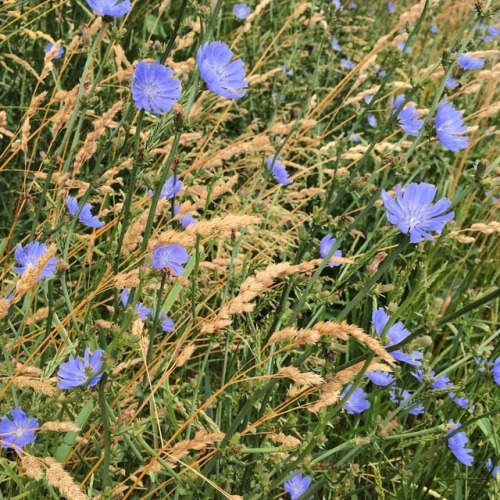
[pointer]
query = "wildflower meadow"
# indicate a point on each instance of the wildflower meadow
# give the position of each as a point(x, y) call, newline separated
point(249, 250)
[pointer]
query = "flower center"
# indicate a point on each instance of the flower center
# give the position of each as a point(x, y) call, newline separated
point(150, 89)
point(19, 433)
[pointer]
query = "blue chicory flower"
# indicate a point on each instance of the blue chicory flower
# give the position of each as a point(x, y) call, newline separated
point(140, 309)
point(494, 471)
point(450, 83)
point(186, 220)
point(347, 63)
point(153, 87)
point(494, 199)
point(170, 258)
point(442, 382)
point(59, 53)
point(336, 4)
point(493, 31)
point(353, 5)
point(407, 117)
point(110, 8)
point(401, 396)
point(241, 11)
point(449, 126)
point(170, 188)
point(77, 371)
point(372, 121)
point(279, 171)
point(28, 256)
point(288, 72)
point(357, 402)
point(355, 138)
point(378, 377)
point(379, 72)
point(297, 486)
point(469, 62)
point(335, 45)
point(368, 98)
point(401, 46)
point(395, 335)
point(167, 324)
point(85, 217)
point(457, 443)
point(19, 431)
point(434, 29)
point(496, 371)
point(413, 213)
point(391, 7)
point(223, 77)
point(325, 245)
point(462, 402)
point(481, 363)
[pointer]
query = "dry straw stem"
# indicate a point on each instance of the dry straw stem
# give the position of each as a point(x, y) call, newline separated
point(256, 79)
point(224, 187)
point(59, 427)
point(254, 15)
point(308, 379)
point(490, 228)
point(124, 68)
point(344, 330)
point(48, 65)
point(32, 467)
point(45, 386)
point(288, 441)
point(126, 365)
point(90, 144)
point(37, 468)
point(184, 356)
point(258, 144)
point(137, 328)
point(30, 277)
point(27, 370)
point(102, 323)
point(330, 391)
point(62, 480)
point(133, 236)
point(205, 229)
point(24, 64)
point(304, 336)
point(26, 126)
point(255, 286)
point(127, 279)
point(201, 441)
point(3, 125)
point(340, 331)
point(222, 265)
point(39, 315)
point(62, 117)
point(4, 307)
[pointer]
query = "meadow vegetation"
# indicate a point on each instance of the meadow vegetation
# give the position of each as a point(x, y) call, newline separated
point(249, 250)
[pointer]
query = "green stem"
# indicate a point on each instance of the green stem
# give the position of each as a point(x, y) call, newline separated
point(128, 197)
point(365, 290)
point(171, 41)
point(106, 478)
point(152, 331)
point(447, 319)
